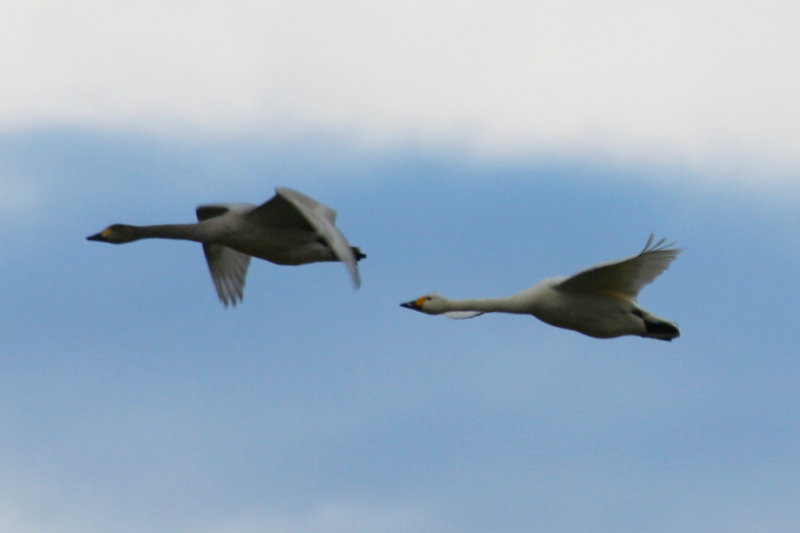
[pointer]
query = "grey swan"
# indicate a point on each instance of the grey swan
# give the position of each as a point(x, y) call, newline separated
point(289, 229)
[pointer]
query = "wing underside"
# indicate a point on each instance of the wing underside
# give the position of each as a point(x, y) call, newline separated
point(228, 271)
point(625, 277)
point(291, 208)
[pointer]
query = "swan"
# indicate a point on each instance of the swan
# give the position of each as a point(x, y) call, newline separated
point(289, 229)
point(599, 301)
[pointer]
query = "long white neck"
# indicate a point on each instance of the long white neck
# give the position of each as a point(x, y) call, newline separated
point(510, 304)
point(188, 232)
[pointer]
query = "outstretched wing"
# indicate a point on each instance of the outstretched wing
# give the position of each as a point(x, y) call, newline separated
point(227, 266)
point(228, 270)
point(207, 211)
point(289, 208)
point(625, 277)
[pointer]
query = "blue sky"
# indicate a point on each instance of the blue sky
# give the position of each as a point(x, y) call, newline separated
point(131, 400)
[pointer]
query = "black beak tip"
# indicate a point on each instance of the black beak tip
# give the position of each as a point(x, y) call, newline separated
point(409, 305)
point(95, 237)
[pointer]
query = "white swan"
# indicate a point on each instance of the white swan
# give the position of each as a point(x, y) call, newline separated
point(289, 229)
point(599, 301)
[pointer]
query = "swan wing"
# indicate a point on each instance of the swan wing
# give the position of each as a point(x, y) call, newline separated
point(227, 266)
point(306, 204)
point(625, 277)
point(291, 208)
point(204, 212)
point(228, 270)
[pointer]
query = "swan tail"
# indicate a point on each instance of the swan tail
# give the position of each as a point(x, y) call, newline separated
point(657, 328)
point(359, 255)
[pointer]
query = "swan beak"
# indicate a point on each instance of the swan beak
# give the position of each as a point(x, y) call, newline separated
point(412, 305)
point(103, 236)
point(100, 237)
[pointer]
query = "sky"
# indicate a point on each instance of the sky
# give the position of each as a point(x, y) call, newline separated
point(470, 149)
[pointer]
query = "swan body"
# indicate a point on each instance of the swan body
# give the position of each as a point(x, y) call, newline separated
point(599, 301)
point(289, 229)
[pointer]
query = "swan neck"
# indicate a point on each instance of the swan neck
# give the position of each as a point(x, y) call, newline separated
point(190, 232)
point(485, 305)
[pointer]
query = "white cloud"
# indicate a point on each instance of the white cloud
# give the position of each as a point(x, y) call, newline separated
point(700, 83)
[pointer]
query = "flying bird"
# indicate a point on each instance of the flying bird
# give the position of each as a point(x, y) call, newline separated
point(289, 229)
point(599, 301)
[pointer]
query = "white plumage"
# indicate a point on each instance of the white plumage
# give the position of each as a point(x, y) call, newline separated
point(599, 301)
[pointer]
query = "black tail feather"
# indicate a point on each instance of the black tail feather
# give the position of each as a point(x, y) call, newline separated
point(655, 327)
point(661, 330)
point(358, 253)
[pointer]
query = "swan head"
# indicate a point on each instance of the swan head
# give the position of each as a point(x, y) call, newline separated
point(115, 234)
point(431, 304)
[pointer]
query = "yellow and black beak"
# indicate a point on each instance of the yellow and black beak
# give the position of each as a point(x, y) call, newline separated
point(102, 236)
point(416, 305)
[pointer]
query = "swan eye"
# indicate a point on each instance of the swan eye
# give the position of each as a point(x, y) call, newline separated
point(422, 301)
